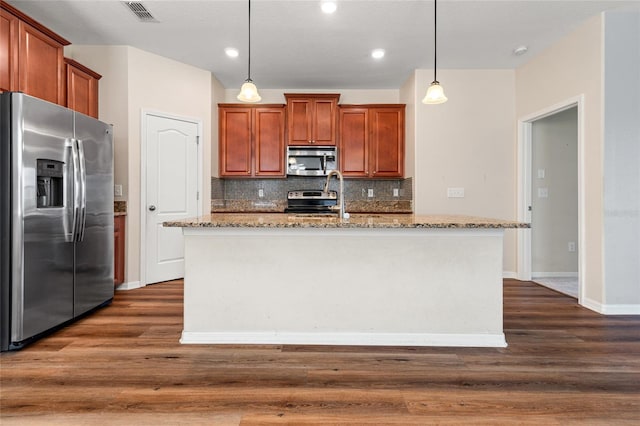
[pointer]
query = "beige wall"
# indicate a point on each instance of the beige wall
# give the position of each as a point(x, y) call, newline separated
point(112, 63)
point(217, 96)
point(133, 81)
point(276, 96)
point(409, 97)
point(468, 142)
point(570, 68)
point(162, 85)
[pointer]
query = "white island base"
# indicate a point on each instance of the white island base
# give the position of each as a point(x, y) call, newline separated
point(343, 286)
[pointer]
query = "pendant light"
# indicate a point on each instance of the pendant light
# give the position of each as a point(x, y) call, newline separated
point(249, 91)
point(435, 92)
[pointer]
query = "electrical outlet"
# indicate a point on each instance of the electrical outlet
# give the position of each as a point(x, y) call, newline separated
point(370, 192)
point(543, 192)
point(455, 192)
point(117, 190)
point(571, 246)
point(260, 192)
point(396, 192)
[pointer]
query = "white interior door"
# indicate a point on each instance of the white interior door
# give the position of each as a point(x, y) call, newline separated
point(171, 193)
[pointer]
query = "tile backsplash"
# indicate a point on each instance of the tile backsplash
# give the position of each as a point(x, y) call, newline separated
point(245, 194)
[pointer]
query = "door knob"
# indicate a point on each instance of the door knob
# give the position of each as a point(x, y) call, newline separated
point(152, 208)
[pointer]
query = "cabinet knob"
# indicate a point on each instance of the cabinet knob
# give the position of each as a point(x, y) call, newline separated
point(152, 208)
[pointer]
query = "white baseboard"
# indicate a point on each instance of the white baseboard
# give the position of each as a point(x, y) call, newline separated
point(366, 339)
point(554, 275)
point(608, 309)
point(129, 285)
point(510, 275)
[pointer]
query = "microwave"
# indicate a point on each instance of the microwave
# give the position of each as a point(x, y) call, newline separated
point(311, 161)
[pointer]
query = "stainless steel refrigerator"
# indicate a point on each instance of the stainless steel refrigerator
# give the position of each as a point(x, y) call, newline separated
point(56, 224)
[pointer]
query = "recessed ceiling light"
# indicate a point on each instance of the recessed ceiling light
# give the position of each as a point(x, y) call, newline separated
point(377, 53)
point(231, 52)
point(328, 6)
point(520, 50)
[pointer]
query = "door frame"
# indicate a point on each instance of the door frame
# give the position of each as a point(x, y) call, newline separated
point(144, 114)
point(525, 180)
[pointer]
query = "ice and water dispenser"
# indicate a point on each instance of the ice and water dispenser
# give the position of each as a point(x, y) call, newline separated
point(50, 184)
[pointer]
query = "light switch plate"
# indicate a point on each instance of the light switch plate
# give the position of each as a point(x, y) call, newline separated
point(370, 193)
point(543, 192)
point(455, 192)
point(117, 190)
point(540, 173)
point(396, 192)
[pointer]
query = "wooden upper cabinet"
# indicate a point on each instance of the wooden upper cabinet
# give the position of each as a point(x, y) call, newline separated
point(8, 51)
point(311, 118)
point(234, 126)
point(81, 88)
point(251, 140)
point(354, 141)
point(386, 141)
point(268, 134)
point(372, 140)
point(31, 57)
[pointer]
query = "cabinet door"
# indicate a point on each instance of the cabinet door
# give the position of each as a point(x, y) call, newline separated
point(40, 65)
point(118, 248)
point(386, 143)
point(299, 116)
point(324, 122)
point(354, 141)
point(235, 141)
point(82, 90)
point(269, 141)
point(8, 52)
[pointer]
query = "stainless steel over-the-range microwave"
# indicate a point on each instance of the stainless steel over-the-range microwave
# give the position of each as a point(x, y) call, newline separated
point(311, 161)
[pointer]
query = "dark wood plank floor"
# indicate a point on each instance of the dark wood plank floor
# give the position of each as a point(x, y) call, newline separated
point(124, 366)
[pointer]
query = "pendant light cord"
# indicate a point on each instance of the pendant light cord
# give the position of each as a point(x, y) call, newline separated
point(249, 70)
point(435, 39)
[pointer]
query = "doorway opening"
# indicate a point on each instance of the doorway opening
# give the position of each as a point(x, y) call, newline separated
point(551, 196)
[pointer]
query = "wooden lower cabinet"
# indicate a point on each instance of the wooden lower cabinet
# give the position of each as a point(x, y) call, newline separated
point(371, 140)
point(118, 249)
point(81, 88)
point(251, 140)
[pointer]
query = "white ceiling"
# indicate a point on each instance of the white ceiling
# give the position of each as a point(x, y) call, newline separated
point(295, 45)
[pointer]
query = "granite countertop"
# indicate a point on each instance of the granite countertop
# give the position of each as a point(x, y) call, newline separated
point(285, 220)
point(115, 214)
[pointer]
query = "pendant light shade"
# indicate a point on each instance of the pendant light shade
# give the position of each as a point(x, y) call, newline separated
point(249, 91)
point(435, 92)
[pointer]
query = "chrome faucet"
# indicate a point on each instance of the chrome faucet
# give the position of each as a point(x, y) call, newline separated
point(341, 211)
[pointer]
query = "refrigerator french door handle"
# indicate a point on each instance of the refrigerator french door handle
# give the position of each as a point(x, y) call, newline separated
point(83, 191)
point(74, 184)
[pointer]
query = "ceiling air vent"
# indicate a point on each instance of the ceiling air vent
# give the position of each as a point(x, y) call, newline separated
point(140, 11)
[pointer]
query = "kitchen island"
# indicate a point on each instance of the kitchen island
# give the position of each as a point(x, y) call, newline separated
point(387, 279)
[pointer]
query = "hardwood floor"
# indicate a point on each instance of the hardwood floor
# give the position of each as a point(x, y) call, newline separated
point(123, 365)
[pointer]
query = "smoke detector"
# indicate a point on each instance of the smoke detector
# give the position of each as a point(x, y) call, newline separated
point(140, 11)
